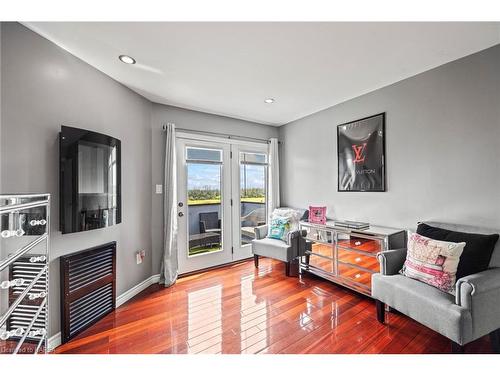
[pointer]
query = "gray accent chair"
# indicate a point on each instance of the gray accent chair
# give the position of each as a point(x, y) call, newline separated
point(285, 251)
point(472, 313)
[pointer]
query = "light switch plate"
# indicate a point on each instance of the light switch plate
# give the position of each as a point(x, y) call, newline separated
point(159, 189)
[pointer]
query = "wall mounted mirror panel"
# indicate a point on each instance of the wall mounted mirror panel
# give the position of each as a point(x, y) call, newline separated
point(90, 180)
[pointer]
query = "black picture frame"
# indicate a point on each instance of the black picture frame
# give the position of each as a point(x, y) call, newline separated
point(361, 159)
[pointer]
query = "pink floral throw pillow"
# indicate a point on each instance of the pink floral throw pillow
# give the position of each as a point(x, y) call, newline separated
point(433, 262)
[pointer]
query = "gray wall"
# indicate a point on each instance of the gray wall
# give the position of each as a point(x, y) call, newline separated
point(442, 149)
point(192, 120)
point(43, 87)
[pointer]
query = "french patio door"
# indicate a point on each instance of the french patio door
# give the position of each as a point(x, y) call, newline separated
point(222, 192)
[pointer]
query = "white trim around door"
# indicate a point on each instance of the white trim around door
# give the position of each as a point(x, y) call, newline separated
point(212, 176)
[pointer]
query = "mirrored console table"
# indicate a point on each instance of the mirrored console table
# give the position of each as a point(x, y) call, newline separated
point(347, 256)
point(24, 273)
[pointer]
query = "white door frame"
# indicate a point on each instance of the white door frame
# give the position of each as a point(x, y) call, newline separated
point(242, 251)
point(206, 260)
point(230, 192)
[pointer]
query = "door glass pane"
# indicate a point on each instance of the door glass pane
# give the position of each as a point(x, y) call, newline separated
point(252, 194)
point(204, 154)
point(204, 205)
point(250, 157)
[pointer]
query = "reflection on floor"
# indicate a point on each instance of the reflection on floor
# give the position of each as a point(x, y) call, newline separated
point(239, 309)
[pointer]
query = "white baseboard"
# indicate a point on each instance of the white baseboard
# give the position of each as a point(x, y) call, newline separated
point(55, 340)
point(124, 297)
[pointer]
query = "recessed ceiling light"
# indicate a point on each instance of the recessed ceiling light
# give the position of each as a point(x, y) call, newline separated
point(126, 59)
point(269, 100)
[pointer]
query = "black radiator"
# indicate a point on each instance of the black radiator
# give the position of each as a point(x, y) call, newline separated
point(88, 288)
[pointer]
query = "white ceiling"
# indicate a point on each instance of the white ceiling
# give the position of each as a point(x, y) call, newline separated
point(230, 68)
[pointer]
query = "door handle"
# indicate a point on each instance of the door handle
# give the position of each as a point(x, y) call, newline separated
point(180, 214)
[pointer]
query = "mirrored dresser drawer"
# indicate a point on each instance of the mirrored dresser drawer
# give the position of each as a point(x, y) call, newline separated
point(367, 262)
point(347, 256)
point(361, 278)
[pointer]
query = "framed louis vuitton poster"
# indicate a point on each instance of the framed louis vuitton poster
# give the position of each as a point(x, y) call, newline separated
point(361, 154)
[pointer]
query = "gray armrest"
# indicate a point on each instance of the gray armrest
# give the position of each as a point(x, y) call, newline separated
point(260, 232)
point(480, 294)
point(291, 237)
point(294, 235)
point(297, 241)
point(477, 286)
point(391, 261)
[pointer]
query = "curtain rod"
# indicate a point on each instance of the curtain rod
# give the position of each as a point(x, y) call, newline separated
point(228, 136)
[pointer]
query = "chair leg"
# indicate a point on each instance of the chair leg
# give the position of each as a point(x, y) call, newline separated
point(307, 258)
point(495, 341)
point(287, 268)
point(256, 260)
point(301, 270)
point(457, 348)
point(380, 311)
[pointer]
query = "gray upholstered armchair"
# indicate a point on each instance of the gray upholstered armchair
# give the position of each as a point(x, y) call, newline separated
point(286, 251)
point(472, 313)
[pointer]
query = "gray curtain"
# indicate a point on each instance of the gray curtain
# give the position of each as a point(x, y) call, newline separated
point(169, 267)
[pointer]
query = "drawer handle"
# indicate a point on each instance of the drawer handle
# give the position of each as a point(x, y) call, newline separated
point(358, 259)
point(357, 276)
point(357, 243)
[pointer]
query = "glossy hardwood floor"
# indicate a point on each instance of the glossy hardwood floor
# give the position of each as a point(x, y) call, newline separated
point(239, 309)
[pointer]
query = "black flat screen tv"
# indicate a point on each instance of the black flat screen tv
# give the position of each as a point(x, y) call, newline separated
point(90, 180)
